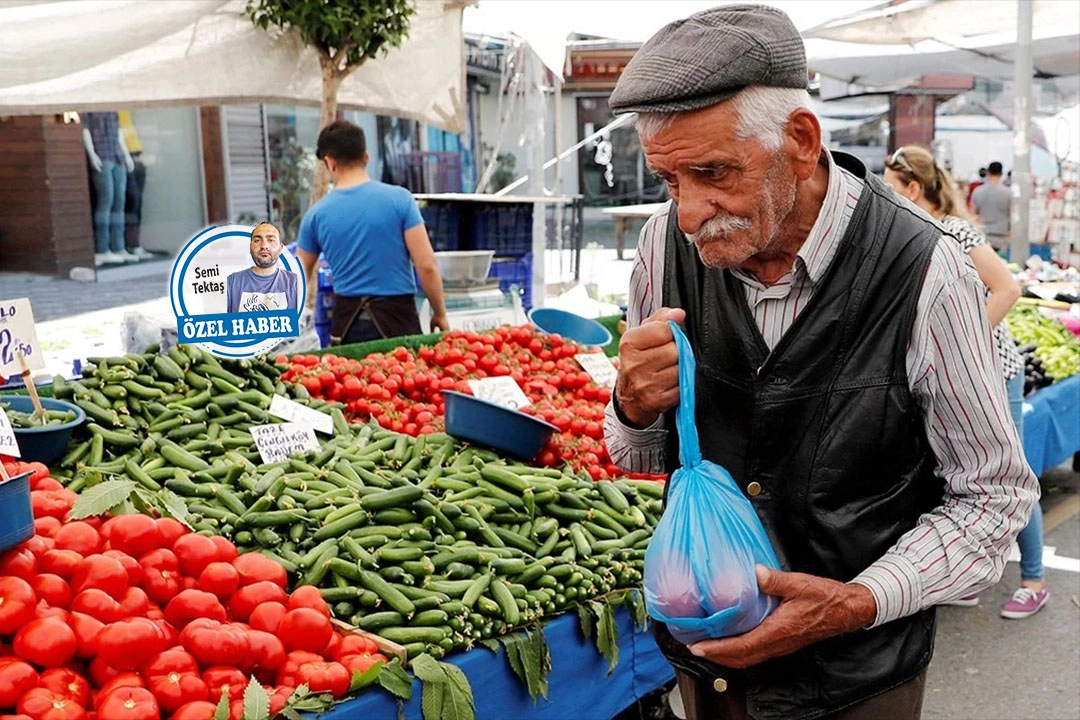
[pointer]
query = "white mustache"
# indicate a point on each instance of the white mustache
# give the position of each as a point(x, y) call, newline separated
point(718, 226)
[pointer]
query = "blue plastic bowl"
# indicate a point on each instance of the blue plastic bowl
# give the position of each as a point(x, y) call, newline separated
point(485, 423)
point(16, 512)
point(43, 444)
point(569, 325)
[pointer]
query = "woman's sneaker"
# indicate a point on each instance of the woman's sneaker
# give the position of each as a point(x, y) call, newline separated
point(1025, 603)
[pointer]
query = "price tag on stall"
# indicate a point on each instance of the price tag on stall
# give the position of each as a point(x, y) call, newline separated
point(18, 334)
point(502, 391)
point(287, 409)
point(599, 368)
point(277, 443)
point(8, 444)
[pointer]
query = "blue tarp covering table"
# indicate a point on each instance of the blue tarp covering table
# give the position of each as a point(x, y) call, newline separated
point(1052, 424)
point(579, 686)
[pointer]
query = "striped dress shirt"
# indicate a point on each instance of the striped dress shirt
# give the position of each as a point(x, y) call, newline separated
point(955, 377)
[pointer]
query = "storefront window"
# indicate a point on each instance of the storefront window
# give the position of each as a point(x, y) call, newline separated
point(612, 167)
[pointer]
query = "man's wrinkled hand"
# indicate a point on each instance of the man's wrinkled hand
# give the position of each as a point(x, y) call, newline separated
point(811, 609)
point(648, 382)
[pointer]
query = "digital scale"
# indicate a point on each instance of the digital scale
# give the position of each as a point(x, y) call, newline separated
point(477, 307)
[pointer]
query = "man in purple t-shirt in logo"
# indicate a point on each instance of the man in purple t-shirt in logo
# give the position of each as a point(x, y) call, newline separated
point(264, 286)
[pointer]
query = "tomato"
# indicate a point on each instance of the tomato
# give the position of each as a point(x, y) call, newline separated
point(192, 604)
point(214, 643)
point(86, 629)
point(360, 663)
point(226, 550)
point(43, 704)
point(161, 574)
point(308, 596)
point(194, 552)
point(266, 651)
point(293, 661)
point(254, 567)
point(80, 537)
point(47, 527)
point(98, 604)
point(52, 503)
point(220, 579)
point(60, 562)
point(355, 645)
point(52, 589)
point(127, 644)
point(102, 676)
point(68, 683)
point(16, 679)
point(104, 573)
point(331, 677)
point(246, 599)
point(19, 562)
point(134, 534)
point(170, 531)
point(278, 699)
point(135, 602)
point(129, 703)
point(46, 642)
point(305, 629)
point(198, 710)
point(176, 689)
point(17, 604)
point(44, 611)
point(223, 679)
point(267, 616)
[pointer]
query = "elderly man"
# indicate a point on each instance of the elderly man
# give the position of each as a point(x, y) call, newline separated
point(846, 378)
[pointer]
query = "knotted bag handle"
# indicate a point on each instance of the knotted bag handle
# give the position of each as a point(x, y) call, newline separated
point(685, 419)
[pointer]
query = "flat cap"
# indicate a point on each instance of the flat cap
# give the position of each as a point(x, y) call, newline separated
point(708, 57)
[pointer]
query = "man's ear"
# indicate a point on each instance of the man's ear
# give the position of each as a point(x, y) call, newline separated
point(802, 142)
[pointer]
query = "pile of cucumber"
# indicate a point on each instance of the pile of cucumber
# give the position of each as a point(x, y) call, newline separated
point(428, 542)
point(22, 420)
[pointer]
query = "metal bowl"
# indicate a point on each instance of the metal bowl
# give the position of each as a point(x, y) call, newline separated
point(464, 267)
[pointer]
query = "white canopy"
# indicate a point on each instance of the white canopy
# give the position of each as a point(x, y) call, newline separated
point(57, 56)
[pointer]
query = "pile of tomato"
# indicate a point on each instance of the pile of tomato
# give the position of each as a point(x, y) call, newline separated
point(402, 389)
point(136, 618)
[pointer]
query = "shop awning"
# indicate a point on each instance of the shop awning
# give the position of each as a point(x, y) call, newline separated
point(81, 55)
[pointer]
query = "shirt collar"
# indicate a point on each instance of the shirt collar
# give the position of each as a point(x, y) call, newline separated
point(820, 246)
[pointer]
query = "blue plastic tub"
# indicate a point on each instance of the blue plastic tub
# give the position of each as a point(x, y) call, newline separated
point(16, 512)
point(569, 325)
point(485, 423)
point(48, 443)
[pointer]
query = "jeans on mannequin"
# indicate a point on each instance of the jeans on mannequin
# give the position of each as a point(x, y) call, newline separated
point(136, 182)
point(1030, 539)
point(110, 187)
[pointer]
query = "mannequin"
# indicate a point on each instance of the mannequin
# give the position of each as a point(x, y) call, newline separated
point(136, 182)
point(110, 162)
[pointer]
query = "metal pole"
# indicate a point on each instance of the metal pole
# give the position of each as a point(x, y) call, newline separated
point(1019, 244)
point(535, 120)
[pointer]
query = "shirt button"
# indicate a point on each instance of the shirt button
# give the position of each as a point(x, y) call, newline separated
point(753, 489)
point(719, 685)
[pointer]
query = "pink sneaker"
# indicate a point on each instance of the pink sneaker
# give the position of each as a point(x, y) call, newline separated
point(966, 601)
point(1025, 603)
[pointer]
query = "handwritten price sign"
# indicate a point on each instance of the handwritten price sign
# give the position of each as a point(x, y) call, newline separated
point(599, 368)
point(277, 443)
point(8, 444)
point(501, 391)
point(18, 335)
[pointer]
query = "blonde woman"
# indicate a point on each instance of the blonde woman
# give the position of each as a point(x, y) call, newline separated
point(913, 173)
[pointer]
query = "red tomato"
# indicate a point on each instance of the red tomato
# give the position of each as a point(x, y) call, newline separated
point(68, 683)
point(224, 679)
point(170, 531)
point(212, 643)
point(308, 596)
point(255, 567)
point(361, 663)
point(16, 679)
point(44, 704)
point(161, 574)
point(46, 642)
point(267, 616)
point(60, 562)
point(80, 537)
point(103, 573)
point(135, 602)
point(86, 629)
point(219, 578)
point(246, 599)
point(52, 589)
point(355, 645)
point(305, 629)
point(134, 534)
point(129, 703)
point(226, 550)
point(278, 698)
point(175, 690)
point(192, 604)
point(328, 677)
point(19, 561)
point(52, 503)
point(134, 569)
point(194, 552)
point(107, 678)
point(47, 527)
point(199, 710)
point(98, 604)
point(127, 644)
point(266, 651)
point(17, 604)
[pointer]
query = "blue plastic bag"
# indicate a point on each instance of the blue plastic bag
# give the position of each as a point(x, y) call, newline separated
point(699, 567)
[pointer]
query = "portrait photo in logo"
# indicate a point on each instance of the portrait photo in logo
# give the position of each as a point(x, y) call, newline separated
point(237, 291)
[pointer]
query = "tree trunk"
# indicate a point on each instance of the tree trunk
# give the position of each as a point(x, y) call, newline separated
point(331, 80)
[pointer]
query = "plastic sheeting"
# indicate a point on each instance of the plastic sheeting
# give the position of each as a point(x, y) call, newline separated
point(104, 54)
point(1052, 424)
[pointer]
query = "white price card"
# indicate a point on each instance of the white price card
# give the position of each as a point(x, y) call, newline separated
point(277, 443)
point(287, 409)
point(8, 444)
point(18, 336)
point(599, 368)
point(501, 390)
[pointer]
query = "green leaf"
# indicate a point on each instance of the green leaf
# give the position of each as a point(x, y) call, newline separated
point(289, 714)
point(542, 650)
point(395, 680)
point(364, 680)
point(171, 505)
point(431, 699)
point(530, 659)
point(585, 617)
point(607, 637)
point(256, 701)
point(491, 644)
point(427, 669)
point(513, 643)
point(99, 499)
point(641, 613)
point(142, 501)
point(458, 703)
point(222, 711)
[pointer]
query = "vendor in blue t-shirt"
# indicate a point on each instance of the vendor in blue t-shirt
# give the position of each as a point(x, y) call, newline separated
point(264, 286)
point(372, 235)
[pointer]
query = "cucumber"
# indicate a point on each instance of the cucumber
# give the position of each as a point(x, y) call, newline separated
point(389, 594)
point(401, 497)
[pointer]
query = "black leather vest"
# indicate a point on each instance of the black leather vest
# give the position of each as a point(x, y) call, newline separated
point(827, 425)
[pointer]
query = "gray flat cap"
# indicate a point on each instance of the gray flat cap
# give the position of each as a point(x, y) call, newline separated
point(710, 56)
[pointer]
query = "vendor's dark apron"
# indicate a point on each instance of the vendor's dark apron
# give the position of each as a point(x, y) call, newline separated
point(392, 315)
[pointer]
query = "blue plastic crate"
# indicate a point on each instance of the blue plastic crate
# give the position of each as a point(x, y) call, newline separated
point(514, 272)
point(322, 329)
point(443, 223)
point(505, 228)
